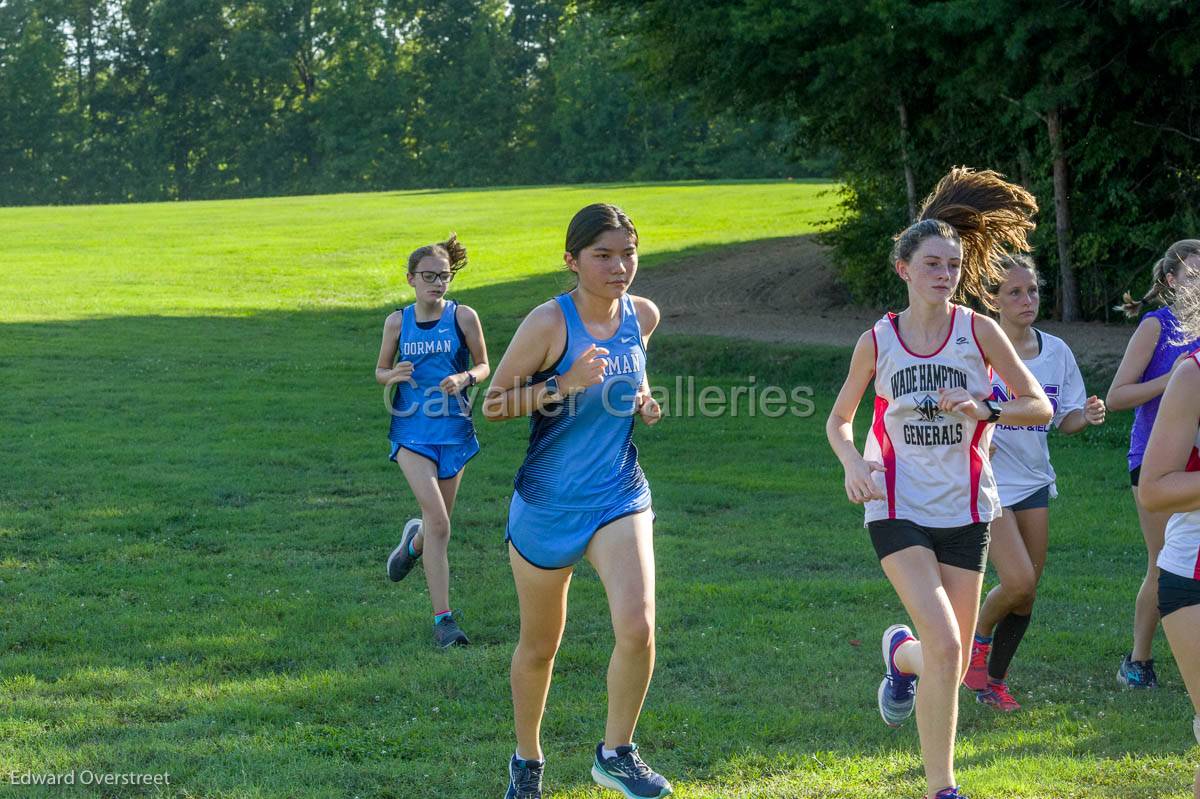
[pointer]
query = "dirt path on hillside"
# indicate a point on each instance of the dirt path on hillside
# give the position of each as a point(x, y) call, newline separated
point(752, 291)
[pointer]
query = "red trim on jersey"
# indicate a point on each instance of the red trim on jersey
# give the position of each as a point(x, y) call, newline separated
point(976, 469)
point(896, 327)
point(979, 346)
point(879, 430)
point(1193, 465)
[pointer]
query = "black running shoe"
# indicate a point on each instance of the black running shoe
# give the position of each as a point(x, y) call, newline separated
point(1137, 673)
point(400, 562)
point(447, 634)
point(627, 773)
point(524, 778)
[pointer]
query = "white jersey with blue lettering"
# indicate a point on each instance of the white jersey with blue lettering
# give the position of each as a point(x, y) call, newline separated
point(937, 470)
point(1181, 543)
point(1022, 460)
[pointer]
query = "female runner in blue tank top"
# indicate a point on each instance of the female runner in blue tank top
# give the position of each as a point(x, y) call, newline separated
point(1156, 348)
point(577, 367)
point(426, 353)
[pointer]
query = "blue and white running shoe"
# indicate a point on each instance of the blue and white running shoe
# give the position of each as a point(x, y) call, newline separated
point(524, 778)
point(897, 692)
point(627, 773)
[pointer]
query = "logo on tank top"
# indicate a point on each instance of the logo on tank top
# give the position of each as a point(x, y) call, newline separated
point(928, 428)
point(435, 347)
point(628, 363)
point(927, 409)
point(1000, 395)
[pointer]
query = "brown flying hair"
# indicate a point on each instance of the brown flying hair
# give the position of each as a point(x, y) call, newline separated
point(983, 211)
point(451, 249)
point(1170, 264)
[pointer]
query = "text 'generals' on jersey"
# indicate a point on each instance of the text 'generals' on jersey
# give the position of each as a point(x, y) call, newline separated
point(926, 377)
point(428, 347)
point(933, 435)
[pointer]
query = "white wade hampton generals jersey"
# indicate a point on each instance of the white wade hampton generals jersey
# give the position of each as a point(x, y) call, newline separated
point(1022, 460)
point(938, 474)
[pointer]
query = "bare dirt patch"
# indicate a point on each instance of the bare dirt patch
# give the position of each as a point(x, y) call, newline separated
point(784, 290)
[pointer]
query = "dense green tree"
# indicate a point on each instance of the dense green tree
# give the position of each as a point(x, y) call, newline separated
point(1092, 105)
point(182, 99)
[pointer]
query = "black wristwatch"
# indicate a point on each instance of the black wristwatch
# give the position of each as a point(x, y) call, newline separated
point(994, 407)
point(471, 379)
point(552, 392)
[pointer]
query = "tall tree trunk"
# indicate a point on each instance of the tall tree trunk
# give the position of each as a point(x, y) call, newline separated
point(910, 183)
point(1062, 219)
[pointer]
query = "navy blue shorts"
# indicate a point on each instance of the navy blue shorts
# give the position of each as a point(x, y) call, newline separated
point(448, 458)
point(1038, 499)
point(553, 538)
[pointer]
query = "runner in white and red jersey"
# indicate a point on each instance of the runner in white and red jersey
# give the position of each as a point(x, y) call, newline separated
point(935, 464)
point(925, 477)
point(1170, 483)
point(1025, 480)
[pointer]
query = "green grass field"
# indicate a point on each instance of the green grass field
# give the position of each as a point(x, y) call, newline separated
point(195, 510)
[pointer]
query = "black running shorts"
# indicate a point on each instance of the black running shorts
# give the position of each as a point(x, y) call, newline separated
point(965, 547)
point(1176, 592)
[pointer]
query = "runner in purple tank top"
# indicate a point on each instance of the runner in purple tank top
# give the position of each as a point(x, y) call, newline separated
point(1157, 346)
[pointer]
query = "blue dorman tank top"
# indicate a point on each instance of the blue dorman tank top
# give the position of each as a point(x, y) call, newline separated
point(421, 412)
point(581, 454)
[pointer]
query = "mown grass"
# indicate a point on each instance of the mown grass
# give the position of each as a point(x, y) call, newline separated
point(195, 509)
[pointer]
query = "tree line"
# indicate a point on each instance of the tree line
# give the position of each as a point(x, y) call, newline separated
point(140, 100)
point(1094, 105)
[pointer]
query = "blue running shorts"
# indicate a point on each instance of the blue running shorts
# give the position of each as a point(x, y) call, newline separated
point(448, 458)
point(553, 538)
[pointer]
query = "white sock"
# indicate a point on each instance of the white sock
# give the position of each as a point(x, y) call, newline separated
point(606, 753)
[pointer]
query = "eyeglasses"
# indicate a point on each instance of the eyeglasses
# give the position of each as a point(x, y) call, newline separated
point(433, 277)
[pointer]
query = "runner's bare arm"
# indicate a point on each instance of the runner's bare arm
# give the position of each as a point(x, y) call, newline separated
point(1030, 406)
point(839, 427)
point(1165, 485)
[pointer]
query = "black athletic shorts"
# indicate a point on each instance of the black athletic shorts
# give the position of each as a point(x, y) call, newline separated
point(1134, 476)
point(1176, 592)
point(1038, 499)
point(965, 547)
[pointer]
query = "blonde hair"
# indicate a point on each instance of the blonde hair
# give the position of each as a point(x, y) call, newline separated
point(983, 211)
point(1187, 310)
point(1160, 291)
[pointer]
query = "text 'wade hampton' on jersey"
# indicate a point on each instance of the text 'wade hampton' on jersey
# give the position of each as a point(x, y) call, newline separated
point(926, 379)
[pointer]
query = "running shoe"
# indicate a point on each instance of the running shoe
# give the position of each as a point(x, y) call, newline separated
point(1137, 673)
point(627, 773)
point(996, 695)
point(400, 562)
point(446, 633)
point(977, 673)
point(897, 693)
point(948, 793)
point(524, 778)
